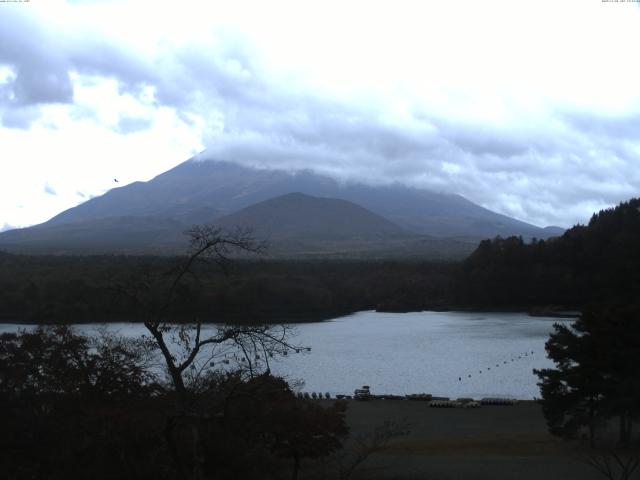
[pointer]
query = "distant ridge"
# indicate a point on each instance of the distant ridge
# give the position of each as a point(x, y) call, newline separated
point(553, 231)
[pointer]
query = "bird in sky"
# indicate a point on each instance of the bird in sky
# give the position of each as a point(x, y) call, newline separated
point(116, 180)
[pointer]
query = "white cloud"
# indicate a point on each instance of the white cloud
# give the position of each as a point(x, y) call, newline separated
point(5, 226)
point(81, 148)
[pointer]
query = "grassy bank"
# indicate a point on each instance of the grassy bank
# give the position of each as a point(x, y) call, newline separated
point(491, 442)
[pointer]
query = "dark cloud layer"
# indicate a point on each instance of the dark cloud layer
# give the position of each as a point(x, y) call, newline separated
point(549, 174)
point(42, 60)
point(41, 72)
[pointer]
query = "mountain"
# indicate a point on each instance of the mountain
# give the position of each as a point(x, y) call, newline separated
point(199, 191)
point(552, 231)
point(296, 215)
point(109, 234)
point(150, 216)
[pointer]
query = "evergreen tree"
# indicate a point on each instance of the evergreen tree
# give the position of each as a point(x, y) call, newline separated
point(596, 375)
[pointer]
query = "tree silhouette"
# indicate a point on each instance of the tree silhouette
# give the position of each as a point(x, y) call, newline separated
point(72, 405)
point(596, 375)
point(195, 357)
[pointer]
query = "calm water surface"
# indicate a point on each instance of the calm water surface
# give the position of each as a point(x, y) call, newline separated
point(444, 353)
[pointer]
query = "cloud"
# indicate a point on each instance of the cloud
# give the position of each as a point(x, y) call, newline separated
point(48, 189)
point(21, 118)
point(39, 73)
point(127, 124)
point(553, 175)
point(42, 57)
point(466, 104)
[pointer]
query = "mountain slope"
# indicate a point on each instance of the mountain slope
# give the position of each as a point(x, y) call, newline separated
point(296, 215)
point(149, 217)
point(110, 234)
point(201, 191)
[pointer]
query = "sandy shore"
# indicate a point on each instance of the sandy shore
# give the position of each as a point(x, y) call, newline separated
point(492, 442)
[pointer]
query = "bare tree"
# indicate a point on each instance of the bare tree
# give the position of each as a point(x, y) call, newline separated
point(369, 444)
point(188, 349)
point(614, 464)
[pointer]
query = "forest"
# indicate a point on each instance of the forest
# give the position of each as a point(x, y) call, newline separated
point(592, 263)
point(54, 289)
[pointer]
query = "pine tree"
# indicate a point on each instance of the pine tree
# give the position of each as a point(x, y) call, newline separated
point(596, 375)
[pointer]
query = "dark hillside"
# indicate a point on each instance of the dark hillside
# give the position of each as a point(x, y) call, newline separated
point(296, 215)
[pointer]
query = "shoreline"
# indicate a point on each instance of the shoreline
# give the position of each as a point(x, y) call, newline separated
point(290, 319)
point(429, 399)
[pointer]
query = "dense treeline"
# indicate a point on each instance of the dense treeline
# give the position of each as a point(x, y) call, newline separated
point(596, 263)
point(51, 289)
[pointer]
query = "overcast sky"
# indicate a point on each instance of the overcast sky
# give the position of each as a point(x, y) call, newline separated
point(529, 108)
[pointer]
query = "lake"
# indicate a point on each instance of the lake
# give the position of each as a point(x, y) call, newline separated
point(454, 354)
